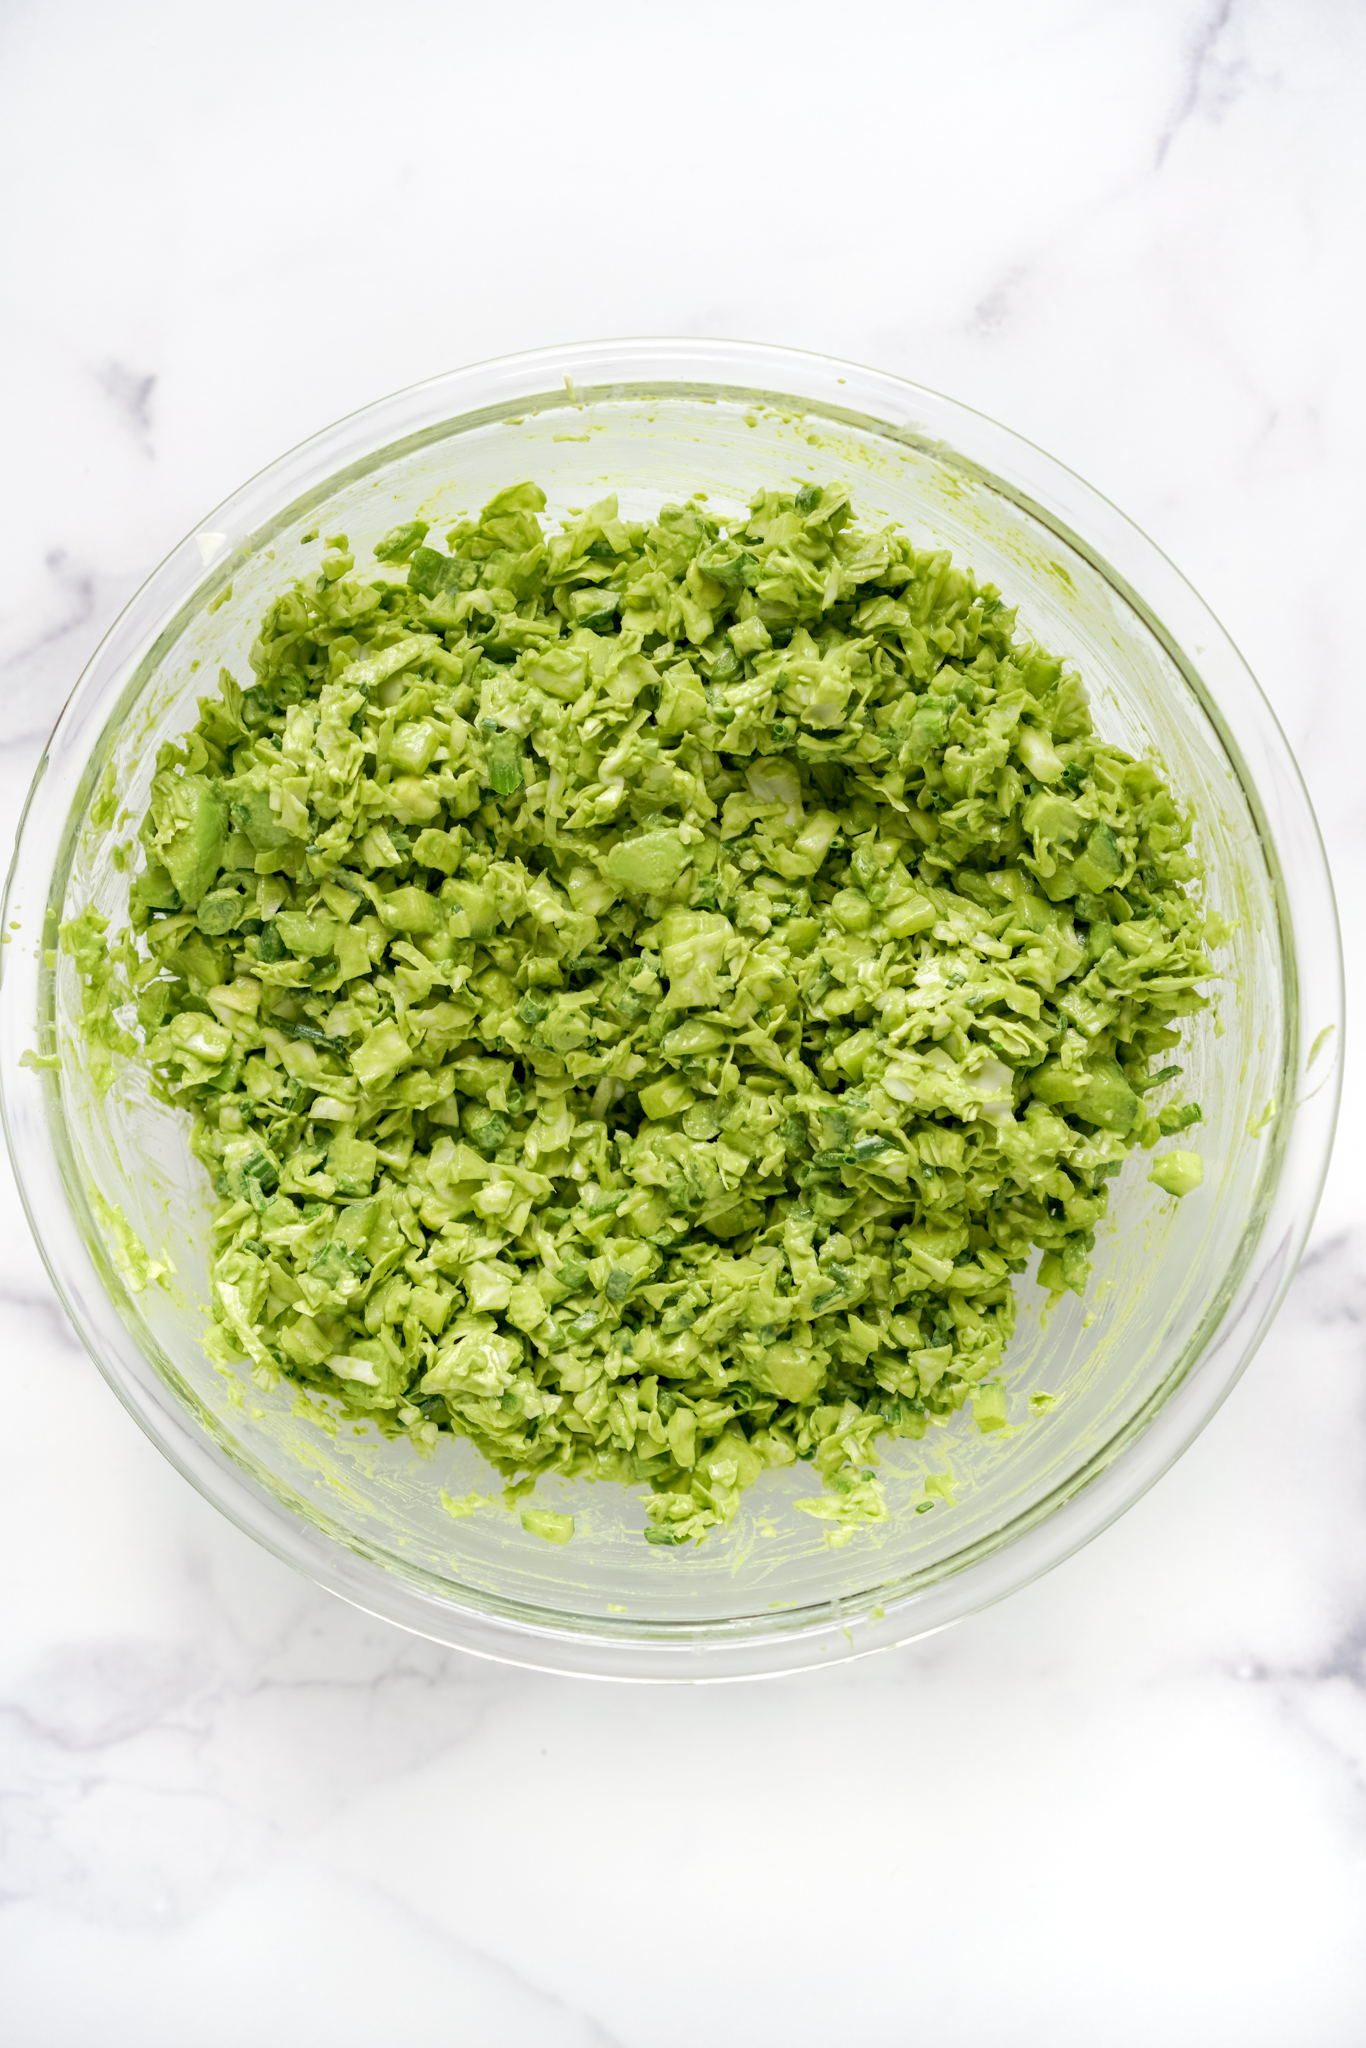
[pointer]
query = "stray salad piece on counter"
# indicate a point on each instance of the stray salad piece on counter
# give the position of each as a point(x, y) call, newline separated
point(642, 992)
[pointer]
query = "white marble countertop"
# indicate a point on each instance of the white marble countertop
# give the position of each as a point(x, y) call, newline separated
point(1130, 1804)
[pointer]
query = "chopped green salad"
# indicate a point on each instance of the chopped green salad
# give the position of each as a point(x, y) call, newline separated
point(643, 991)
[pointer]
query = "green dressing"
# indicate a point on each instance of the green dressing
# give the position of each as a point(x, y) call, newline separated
point(642, 993)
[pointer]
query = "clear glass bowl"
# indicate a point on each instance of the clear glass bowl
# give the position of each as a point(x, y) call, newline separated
point(1183, 1291)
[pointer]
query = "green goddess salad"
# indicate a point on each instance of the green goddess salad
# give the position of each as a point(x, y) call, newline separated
point(642, 992)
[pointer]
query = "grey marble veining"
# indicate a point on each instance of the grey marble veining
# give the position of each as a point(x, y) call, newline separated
point(1129, 1804)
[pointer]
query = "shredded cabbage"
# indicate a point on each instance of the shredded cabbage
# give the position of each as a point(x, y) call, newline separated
point(642, 992)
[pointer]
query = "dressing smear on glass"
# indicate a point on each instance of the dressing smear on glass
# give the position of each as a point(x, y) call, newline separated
point(642, 992)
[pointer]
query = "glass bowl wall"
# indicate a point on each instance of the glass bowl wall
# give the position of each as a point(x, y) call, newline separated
point(1182, 1292)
